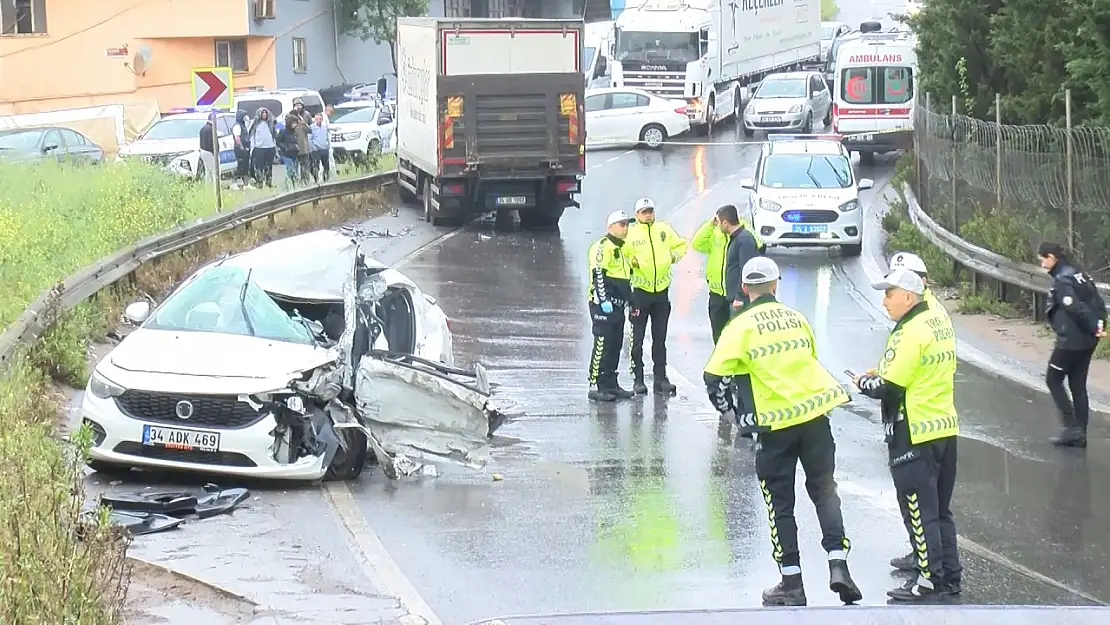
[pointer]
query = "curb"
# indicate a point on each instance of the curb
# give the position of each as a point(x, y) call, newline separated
point(995, 365)
point(216, 588)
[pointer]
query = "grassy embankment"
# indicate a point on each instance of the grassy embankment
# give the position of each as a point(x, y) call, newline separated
point(829, 10)
point(56, 567)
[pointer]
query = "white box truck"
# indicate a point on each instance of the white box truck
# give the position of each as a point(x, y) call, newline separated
point(712, 52)
point(490, 117)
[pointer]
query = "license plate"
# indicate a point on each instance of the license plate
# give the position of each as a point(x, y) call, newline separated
point(173, 438)
point(512, 200)
point(770, 119)
point(807, 228)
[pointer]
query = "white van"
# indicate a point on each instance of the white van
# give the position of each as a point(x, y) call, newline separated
point(874, 87)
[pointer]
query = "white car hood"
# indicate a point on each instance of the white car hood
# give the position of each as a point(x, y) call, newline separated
point(161, 146)
point(760, 105)
point(808, 198)
point(367, 127)
point(214, 355)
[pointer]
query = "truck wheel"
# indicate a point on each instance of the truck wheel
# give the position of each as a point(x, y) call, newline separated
point(428, 208)
point(545, 218)
point(738, 109)
point(867, 158)
point(653, 136)
point(406, 195)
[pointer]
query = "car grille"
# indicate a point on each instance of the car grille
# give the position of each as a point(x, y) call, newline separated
point(221, 458)
point(810, 217)
point(214, 411)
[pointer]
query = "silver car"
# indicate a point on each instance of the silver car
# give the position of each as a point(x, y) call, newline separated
point(798, 101)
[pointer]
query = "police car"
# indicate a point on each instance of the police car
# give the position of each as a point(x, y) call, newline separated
point(805, 193)
point(174, 141)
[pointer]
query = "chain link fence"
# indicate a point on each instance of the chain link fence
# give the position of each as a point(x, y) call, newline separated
point(1007, 188)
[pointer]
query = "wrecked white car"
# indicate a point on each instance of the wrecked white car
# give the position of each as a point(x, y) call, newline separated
point(301, 359)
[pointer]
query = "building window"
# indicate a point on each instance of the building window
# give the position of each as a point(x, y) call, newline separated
point(457, 8)
point(300, 55)
point(22, 17)
point(232, 53)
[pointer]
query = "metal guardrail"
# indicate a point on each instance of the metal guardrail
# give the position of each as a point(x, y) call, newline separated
point(87, 282)
point(1025, 276)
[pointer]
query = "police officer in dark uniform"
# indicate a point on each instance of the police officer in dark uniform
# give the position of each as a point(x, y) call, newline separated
point(1077, 314)
point(609, 293)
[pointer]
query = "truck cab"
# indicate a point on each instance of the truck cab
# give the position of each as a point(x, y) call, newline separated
point(597, 52)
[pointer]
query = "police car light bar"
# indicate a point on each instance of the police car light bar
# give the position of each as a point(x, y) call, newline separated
point(829, 137)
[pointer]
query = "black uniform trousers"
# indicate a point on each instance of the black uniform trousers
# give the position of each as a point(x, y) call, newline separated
point(720, 311)
point(776, 463)
point(656, 308)
point(924, 478)
point(1071, 365)
point(608, 331)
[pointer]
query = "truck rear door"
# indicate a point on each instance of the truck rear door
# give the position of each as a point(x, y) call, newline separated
point(511, 98)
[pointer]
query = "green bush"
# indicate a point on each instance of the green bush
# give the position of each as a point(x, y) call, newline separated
point(998, 232)
point(907, 238)
point(829, 10)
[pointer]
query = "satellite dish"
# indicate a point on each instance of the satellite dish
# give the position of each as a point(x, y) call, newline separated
point(141, 62)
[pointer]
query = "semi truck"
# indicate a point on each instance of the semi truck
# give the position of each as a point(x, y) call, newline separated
point(712, 53)
point(490, 117)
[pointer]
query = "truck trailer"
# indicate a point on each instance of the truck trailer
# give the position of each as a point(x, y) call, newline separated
point(711, 53)
point(490, 117)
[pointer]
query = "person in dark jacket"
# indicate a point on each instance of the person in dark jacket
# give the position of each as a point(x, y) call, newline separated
point(289, 149)
point(241, 133)
point(742, 247)
point(304, 148)
point(263, 139)
point(208, 161)
point(1077, 314)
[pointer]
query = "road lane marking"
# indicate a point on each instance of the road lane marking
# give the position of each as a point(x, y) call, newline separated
point(380, 567)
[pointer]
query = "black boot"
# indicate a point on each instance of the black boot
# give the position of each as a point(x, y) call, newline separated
point(788, 592)
point(913, 592)
point(601, 395)
point(1073, 436)
point(907, 562)
point(951, 585)
point(620, 393)
point(638, 386)
point(663, 385)
point(840, 582)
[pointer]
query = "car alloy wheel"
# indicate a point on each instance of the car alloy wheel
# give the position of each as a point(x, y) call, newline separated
point(653, 136)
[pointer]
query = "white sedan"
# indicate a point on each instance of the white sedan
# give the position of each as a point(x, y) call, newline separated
point(174, 141)
point(619, 116)
point(360, 128)
point(288, 362)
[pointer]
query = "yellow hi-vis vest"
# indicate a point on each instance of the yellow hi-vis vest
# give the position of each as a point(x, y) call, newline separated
point(920, 357)
point(709, 240)
point(655, 247)
point(774, 346)
point(607, 264)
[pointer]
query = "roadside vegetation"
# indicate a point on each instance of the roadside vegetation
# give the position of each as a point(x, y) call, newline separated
point(57, 565)
point(829, 10)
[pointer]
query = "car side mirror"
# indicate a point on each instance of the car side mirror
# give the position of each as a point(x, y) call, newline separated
point(137, 312)
point(747, 183)
point(865, 183)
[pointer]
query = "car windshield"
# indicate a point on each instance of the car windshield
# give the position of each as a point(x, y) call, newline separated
point(26, 141)
point(171, 128)
point(636, 46)
point(223, 300)
point(252, 106)
point(782, 88)
point(355, 115)
point(804, 171)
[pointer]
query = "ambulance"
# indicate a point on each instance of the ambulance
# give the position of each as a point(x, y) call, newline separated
point(874, 89)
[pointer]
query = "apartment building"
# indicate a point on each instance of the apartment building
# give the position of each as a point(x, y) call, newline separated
point(57, 54)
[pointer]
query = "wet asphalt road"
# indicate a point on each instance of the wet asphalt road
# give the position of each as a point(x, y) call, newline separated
point(641, 505)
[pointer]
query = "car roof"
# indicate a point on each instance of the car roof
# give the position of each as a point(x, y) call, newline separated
point(274, 94)
point(605, 90)
point(197, 115)
point(823, 147)
point(791, 75)
point(356, 104)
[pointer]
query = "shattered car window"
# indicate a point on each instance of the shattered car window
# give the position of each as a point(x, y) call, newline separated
point(223, 300)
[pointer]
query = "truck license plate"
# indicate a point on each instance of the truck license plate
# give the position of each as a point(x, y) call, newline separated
point(512, 200)
point(770, 119)
point(173, 438)
point(808, 228)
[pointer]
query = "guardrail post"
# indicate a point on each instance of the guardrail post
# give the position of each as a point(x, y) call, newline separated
point(998, 149)
point(952, 175)
point(1068, 156)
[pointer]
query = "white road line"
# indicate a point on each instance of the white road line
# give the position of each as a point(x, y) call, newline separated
point(380, 567)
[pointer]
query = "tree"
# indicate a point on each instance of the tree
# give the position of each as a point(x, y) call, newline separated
point(948, 31)
point(377, 19)
point(1087, 54)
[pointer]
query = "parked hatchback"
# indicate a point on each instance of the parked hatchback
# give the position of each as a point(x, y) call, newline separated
point(789, 101)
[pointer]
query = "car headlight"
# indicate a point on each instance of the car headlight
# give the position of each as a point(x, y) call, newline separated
point(797, 108)
point(350, 136)
point(769, 205)
point(850, 205)
point(104, 388)
point(750, 110)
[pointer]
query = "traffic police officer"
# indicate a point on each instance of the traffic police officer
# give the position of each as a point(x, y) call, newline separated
point(713, 239)
point(915, 381)
point(653, 247)
point(609, 293)
point(1075, 310)
point(913, 262)
point(764, 374)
